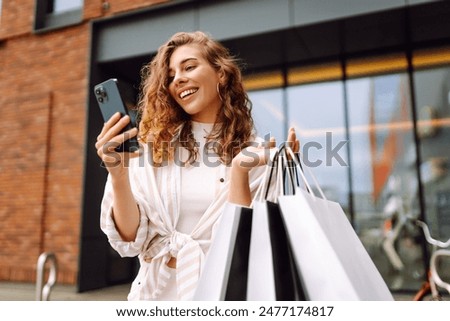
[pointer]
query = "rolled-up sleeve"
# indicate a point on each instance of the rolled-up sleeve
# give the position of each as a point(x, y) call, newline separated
point(108, 226)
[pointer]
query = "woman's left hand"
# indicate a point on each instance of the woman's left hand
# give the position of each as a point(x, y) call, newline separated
point(257, 155)
point(248, 158)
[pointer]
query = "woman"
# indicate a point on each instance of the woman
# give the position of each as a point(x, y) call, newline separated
point(196, 131)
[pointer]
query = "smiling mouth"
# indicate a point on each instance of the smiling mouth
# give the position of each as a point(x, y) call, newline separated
point(188, 92)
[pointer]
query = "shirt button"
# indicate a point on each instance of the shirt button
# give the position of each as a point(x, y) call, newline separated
point(222, 180)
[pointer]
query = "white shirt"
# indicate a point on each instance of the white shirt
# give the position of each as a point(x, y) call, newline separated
point(198, 181)
point(157, 191)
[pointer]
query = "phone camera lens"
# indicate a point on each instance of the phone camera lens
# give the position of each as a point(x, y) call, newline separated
point(100, 92)
point(100, 99)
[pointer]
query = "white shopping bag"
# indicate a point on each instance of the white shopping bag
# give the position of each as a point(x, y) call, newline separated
point(228, 252)
point(331, 260)
point(271, 274)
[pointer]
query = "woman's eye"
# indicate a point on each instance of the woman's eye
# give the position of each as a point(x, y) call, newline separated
point(189, 67)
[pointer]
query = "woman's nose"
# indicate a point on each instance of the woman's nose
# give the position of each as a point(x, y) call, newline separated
point(178, 79)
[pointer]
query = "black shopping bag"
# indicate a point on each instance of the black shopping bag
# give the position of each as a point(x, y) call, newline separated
point(272, 274)
point(237, 279)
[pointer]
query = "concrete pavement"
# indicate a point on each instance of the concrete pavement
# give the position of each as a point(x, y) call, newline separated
point(17, 291)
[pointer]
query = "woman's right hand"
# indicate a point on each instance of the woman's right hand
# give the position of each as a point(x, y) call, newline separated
point(125, 211)
point(109, 139)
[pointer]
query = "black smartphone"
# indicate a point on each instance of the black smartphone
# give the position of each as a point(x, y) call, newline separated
point(112, 97)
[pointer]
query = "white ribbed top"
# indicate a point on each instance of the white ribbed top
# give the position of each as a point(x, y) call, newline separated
point(198, 182)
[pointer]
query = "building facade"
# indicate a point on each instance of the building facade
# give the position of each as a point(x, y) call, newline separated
point(44, 76)
point(366, 84)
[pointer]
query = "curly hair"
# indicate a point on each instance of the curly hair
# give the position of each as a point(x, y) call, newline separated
point(165, 124)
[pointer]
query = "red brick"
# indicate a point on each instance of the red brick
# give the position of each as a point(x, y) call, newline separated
point(43, 96)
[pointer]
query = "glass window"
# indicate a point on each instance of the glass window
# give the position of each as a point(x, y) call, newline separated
point(382, 178)
point(433, 112)
point(384, 175)
point(51, 14)
point(322, 138)
point(67, 5)
point(382, 64)
point(313, 73)
point(432, 94)
point(316, 111)
point(268, 113)
point(263, 80)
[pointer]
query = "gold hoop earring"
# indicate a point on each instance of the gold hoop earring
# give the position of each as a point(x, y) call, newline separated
point(218, 92)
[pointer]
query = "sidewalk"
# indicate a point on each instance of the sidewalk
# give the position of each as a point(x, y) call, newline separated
point(17, 291)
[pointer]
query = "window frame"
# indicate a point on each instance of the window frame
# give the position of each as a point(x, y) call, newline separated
point(46, 21)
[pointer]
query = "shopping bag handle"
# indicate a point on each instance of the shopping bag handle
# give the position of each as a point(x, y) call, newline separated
point(300, 165)
point(285, 172)
point(265, 183)
point(272, 170)
point(299, 169)
point(278, 162)
point(290, 171)
point(281, 169)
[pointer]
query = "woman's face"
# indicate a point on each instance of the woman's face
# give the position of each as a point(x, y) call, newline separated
point(193, 84)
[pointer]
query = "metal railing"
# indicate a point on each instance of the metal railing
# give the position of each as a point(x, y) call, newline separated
point(43, 290)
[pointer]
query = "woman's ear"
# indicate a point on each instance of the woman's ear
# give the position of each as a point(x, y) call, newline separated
point(222, 76)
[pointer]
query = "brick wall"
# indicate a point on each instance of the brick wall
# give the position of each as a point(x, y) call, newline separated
point(43, 94)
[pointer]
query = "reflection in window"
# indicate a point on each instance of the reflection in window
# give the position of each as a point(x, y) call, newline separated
point(66, 5)
point(384, 175)
point(384, 172)
point(317, 113)
point(432, 107)
point(432, 97)
point(268, 113)
point(51, 14)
